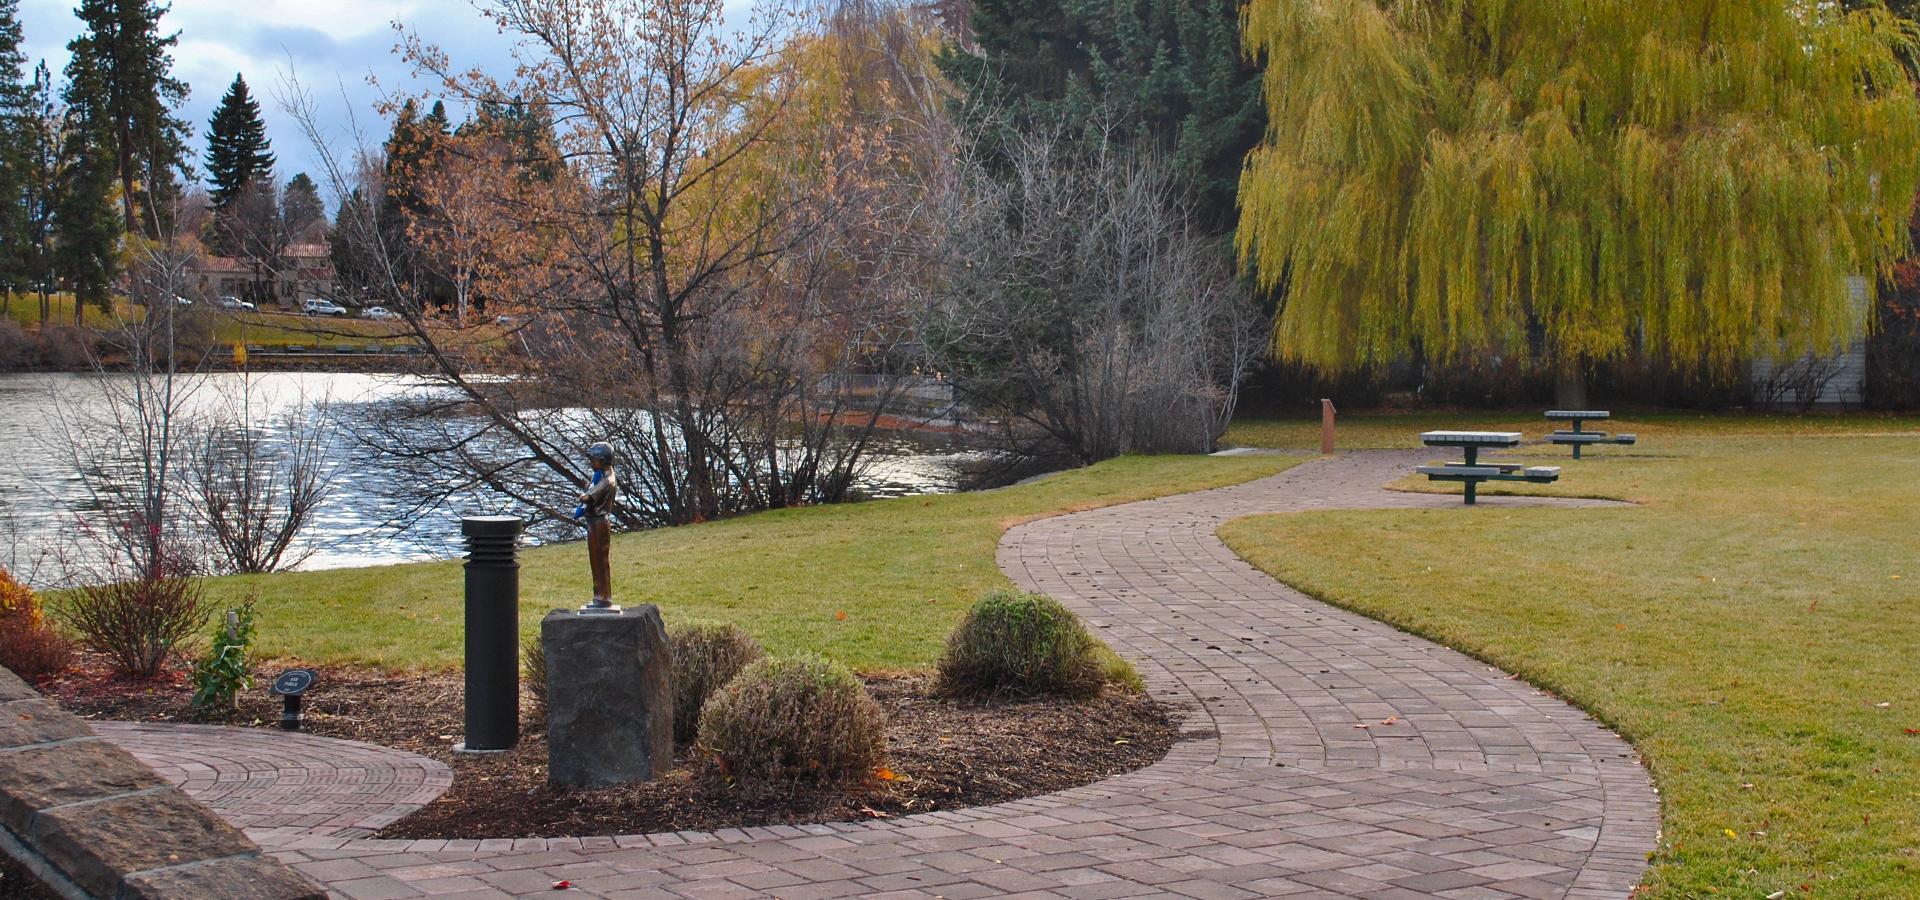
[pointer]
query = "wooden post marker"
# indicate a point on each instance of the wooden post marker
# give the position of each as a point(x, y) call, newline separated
point(1326, 427)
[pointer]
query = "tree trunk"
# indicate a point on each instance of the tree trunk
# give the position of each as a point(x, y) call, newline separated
point(1570, 388)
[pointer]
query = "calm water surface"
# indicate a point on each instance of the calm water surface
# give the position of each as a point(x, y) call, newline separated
point(42, 497)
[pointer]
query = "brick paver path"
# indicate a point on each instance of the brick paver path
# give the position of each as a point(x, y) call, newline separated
point(277, 785)
point(1464, 784)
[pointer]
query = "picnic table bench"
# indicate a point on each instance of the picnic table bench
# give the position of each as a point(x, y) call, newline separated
point(1579, 437)
point(1472, 472)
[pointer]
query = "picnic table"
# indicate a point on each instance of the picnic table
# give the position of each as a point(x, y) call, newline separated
point(1579, 437)
point(1472, 472)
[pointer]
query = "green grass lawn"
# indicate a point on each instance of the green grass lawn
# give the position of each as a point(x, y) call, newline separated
point(1364, 431)
point(1754, 628)
point(901, 572)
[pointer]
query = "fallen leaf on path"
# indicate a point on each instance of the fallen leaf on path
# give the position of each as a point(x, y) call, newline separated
point(1390, 720)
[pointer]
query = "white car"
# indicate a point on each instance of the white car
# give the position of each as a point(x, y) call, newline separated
point(322, 308)
point(234, 303)
point(377, 312)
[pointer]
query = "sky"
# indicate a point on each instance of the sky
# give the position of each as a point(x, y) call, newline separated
point(333, 47)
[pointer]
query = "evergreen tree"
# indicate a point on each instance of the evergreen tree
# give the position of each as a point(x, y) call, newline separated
point(1565, 181)
point(118, 84)
point(15, 141)
point(411, 148)
point(300, 205)
point(358, 269)
point(237, 147)
point(86, 227)
point(39, 158)
point(1167, 73)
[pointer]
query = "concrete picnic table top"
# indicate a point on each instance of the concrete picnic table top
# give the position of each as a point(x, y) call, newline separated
point(1471, 438)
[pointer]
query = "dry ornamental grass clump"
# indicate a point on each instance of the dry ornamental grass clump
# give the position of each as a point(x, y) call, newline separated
point(706, 655)
point(1024, 645)
point(788, 719)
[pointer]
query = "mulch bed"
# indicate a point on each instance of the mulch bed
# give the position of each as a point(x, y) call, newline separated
point(944, 754)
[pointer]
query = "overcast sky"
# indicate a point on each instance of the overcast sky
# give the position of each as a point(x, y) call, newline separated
point(331, 45)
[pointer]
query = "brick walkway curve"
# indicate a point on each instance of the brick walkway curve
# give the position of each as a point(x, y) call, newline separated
point(1465, 784)
point(276, 785)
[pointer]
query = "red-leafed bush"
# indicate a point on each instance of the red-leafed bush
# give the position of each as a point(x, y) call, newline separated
point(28, 645)
point(140, 623)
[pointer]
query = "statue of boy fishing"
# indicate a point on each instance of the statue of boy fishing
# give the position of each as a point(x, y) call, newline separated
point(596, 510)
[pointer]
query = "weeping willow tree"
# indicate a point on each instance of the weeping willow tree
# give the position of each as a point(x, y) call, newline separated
point(1567, 181)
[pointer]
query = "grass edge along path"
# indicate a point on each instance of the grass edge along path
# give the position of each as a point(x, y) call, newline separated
point(1751, 629)
point(875, 585)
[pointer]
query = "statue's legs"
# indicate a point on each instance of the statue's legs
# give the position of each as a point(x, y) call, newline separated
point(599, 538)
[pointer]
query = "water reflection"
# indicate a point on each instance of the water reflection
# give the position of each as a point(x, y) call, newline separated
point(42, 499)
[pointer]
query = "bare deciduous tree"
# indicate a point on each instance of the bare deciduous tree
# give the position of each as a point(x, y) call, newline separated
point(257, 484)
point(1081, 305)
point(677, 283)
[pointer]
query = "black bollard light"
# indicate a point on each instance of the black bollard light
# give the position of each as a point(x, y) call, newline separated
point(493, 633)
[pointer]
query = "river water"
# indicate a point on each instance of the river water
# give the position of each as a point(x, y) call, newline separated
point(43, 498)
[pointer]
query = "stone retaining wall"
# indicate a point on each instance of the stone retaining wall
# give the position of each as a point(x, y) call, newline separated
point(93, 823)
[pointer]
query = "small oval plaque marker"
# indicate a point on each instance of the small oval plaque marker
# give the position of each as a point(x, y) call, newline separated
point(293, 682)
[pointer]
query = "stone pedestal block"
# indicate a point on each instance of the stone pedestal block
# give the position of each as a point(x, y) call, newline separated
point(609, 696)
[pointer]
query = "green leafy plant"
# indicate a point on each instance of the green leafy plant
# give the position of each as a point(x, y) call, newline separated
point(706, 655)
point(1018, 643)
point(790, 719)
point(228, 668)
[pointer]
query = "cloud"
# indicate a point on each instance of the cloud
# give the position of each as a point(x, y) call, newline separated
point(303, 44)
point(333, 48)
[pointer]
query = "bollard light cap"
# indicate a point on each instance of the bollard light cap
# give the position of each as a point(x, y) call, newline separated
point(492, 526)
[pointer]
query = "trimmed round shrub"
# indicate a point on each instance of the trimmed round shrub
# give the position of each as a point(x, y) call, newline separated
point(1021, 644)
point(789, 719)
point(706, 655)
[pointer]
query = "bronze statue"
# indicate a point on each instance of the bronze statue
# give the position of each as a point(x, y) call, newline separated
point(596, 508)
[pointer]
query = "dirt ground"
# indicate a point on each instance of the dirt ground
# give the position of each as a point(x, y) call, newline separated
point(941, 754)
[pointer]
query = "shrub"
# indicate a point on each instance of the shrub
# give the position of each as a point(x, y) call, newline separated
point(533, 662)
point(228, 668)
point(141, 623)
point(706, 655)
point(1018, 643)
point(28, 644)
point(790, 719)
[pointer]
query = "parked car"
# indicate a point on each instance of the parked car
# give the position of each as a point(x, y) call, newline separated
point(322, 308)
point(377, 312)
point(232, 303)
point(179, 300)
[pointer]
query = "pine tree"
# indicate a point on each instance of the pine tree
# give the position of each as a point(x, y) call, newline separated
point(39, 157)
point(86, 227)
point(118, 84)
point(15, 142)
point(1566, 181)
point(300, 205)
point(410, 150)
point(237, 147)
point(1169, 73)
